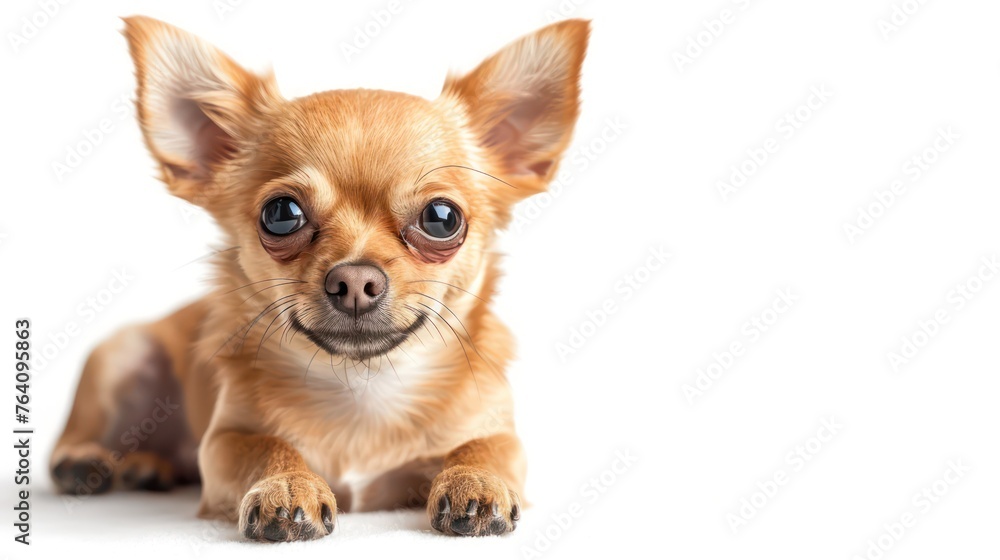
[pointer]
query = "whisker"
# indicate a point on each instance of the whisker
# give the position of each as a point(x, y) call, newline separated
point(288, 326)
point(394, 372)
point(418, 314)
point(213, 253)
point(267, 288)
point(347, 381)
point(467, 359)
point(264, 336)
point(407, 354)
point(347, 378)
point(309, 365)
point(468, 334)
point(420, 340)
point(260, 315)
point(468, 169)
point(451, 285)
point(247, 326)
point(265, 280)
point(366, 376)
point(429, 333)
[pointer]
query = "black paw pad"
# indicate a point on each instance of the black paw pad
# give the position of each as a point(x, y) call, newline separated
point(497, 526)
point(151, 481)
point(252, 518)
point(464, 525)
point(327, 518)
point(276, 531)
point(444, 509)
point(82, 477)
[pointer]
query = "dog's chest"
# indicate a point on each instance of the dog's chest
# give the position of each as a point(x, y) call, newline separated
point(353, 425)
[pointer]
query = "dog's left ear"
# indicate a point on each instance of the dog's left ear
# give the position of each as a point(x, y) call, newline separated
point(523, 101)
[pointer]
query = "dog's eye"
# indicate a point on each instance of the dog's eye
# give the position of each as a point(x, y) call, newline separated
point(440, 219)
point(283, 229)
point(282, 216)
point(437, 233)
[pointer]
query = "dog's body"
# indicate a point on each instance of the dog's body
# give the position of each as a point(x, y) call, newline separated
point(348, 348)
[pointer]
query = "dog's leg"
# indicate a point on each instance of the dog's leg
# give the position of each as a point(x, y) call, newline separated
point(112, 437)
point(267, 483)
point(127, 428)
point(477, 493)
point(80, 464)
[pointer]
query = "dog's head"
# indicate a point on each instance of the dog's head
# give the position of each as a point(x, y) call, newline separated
point(375, 207)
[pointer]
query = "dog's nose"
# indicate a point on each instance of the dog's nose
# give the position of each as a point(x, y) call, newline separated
point(355, 288)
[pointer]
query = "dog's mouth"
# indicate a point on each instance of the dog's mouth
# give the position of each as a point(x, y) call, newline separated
point(357, 344)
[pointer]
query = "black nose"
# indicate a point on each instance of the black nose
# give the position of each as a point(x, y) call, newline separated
point(355, 288)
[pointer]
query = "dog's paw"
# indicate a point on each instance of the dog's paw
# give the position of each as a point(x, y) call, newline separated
point(295, 506)
point(141, 470)
point(83, 470)
point(470, 501)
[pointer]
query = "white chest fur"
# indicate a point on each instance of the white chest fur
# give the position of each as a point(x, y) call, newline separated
point(366, 411)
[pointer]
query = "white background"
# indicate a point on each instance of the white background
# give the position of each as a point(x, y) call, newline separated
point(653, 185)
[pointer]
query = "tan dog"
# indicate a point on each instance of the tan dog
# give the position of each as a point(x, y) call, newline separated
point(348, 349)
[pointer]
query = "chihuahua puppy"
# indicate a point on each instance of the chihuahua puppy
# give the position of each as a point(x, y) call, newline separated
point(347, 358)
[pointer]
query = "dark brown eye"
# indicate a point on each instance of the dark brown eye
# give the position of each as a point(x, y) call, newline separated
point(438, 233)
point(283, 228)
point(282, 216)
point(440, 219)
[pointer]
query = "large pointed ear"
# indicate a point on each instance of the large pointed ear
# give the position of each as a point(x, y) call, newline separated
point(195, 105)
point(523, 101)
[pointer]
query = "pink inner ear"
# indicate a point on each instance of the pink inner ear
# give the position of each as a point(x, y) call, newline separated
point(207, 143)
point(213, 144)
point(503, 136)
point(541, 168)
point(517, 139)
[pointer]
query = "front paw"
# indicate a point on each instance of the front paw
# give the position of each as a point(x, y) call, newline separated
point(295, 506)
point(472, 502)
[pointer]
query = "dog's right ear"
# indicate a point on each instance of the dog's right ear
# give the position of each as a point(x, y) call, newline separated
point(195, 105)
